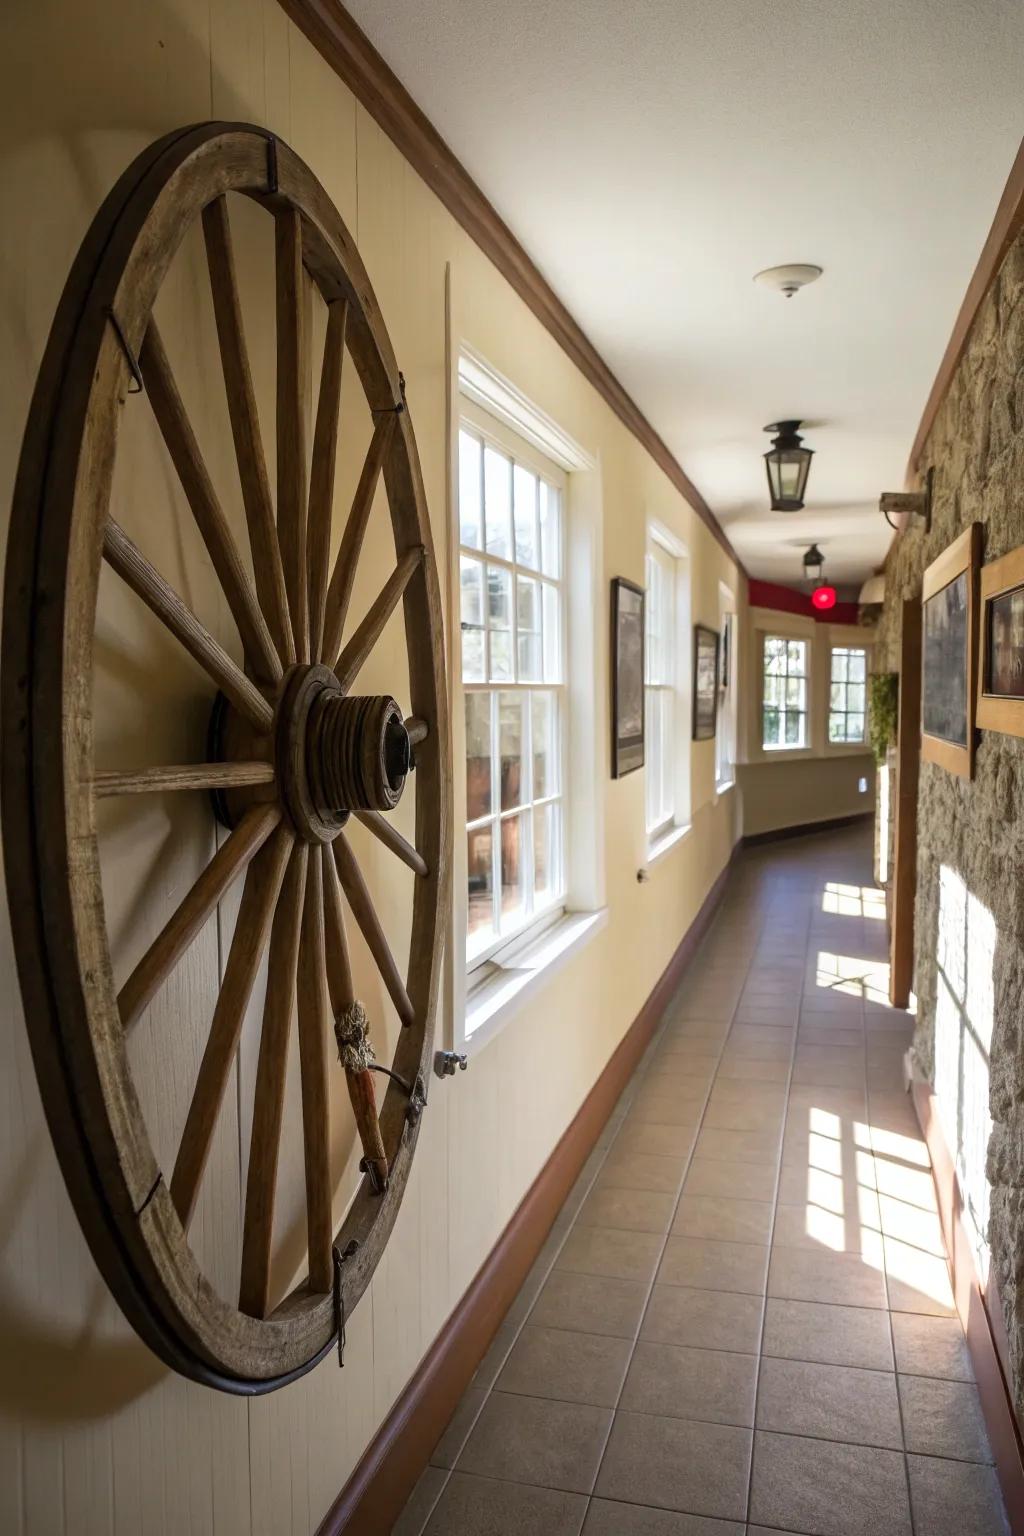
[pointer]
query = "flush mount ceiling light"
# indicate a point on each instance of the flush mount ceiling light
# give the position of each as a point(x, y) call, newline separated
point(788, 464)
point(788, 279)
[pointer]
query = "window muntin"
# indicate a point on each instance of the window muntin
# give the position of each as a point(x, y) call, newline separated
point(784, 694)
point(847, 690)
point(660, 688)
point(725, 736)
point(512, 626)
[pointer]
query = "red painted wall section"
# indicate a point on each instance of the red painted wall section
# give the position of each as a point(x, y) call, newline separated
point(769, 594)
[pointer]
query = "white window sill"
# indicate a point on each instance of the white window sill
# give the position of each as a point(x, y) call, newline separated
point(666, 842)
point(724, 787)
point(491, 1004)
point(783, 754)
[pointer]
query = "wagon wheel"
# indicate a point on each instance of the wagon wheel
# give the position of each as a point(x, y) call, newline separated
point(295, 753)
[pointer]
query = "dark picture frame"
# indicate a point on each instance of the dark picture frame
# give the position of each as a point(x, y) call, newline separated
point(949, 655)
point(627, 677)
point(705, 682)
point(1000, 704)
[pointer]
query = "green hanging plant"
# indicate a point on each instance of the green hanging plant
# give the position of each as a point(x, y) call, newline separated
point(883, 694)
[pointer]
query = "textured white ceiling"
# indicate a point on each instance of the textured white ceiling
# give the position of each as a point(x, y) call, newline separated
point(653, 156)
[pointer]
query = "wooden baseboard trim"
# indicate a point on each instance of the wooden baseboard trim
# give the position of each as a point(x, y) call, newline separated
point(985, 1331)
point(806, 828)
point(376, 1493)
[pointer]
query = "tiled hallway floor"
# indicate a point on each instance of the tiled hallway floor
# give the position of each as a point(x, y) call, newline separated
point(742, 1320)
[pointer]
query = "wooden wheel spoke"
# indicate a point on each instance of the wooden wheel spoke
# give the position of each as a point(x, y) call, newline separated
point(359, 900)
point(181, 928)
point(259, 898)
point(245, 428)
point(314, 1029)
point(268, 1102)
point(292, 373)
point(339, 593)
point(339, 966)
point(132, 566)
point(172, 419)
point(145, 781)
point(321, 476)
point(381, 609)
point(393, 839)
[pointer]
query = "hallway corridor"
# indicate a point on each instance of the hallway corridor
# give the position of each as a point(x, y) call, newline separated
point(742, 1320)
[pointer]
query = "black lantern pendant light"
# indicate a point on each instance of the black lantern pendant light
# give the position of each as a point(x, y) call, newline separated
point(814, 564)
point(788, 463)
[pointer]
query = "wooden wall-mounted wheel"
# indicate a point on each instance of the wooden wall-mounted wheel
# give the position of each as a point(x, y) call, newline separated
point(296, 752)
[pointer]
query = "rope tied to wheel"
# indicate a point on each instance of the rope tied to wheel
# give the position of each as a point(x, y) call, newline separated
point(352, 1032)
point(357, 1056)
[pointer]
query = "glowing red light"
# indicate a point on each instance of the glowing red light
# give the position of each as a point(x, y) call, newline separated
point(824, 597)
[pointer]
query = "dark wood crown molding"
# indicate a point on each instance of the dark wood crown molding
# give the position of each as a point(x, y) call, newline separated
point(354, 59)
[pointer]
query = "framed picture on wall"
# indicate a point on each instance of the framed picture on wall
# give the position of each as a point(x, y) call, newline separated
point(1001, 669)
point(627, 677)
point(705, 682)
point(949, 653)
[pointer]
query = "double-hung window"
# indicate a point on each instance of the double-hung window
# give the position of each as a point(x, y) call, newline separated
point(784, 694)
point(660, 688)
point(512, 610)
point(725, 735)
point(846, 712)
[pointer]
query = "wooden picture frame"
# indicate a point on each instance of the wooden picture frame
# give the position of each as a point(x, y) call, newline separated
point(1000, 704)
point(627, 677)
point(705, 682)
point(949, 655)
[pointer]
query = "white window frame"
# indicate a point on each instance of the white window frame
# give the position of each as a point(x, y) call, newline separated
point(773, 750)
point(847, 741)
point(483, 1001)
point(491, 432)
point(725, 736)
point(673, 558)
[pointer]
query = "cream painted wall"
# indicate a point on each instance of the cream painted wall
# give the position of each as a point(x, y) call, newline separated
point(95, 1436)
point(819, 782)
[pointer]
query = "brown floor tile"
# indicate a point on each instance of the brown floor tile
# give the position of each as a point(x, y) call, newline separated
point(480, 1506)
point(828, 1074)
point(606, 1518)
point(741, 1069)
point(816, 1331)
point(737, 1181)
point(739, 1115)
point(641, 1170)
point(532, 1440)
point(955, 1498)
point(839, 1278)
point(701, 1469)
point(918, 1282)
point(697, 1029)
point(708, 1265)
point(664, 1108)
point(826, 1489)
point(830, 1402)
point(931, 1346)
point(703, 1319)
point(733, 1221)
point(691, 1384)
point(421, 1501)
point(809, 1226)
point(759, 1147)
point(590, 1303)
point(572, 1367)
point(607, 1251)
point(447, 1450)
point(628, 1210)
point(943, 1418)
point(661, 1140)
point(664, 1079)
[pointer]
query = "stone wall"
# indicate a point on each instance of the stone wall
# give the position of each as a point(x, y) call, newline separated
point(969, 940)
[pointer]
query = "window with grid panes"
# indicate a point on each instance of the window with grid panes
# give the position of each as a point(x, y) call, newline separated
point(848, 684)
point(511, 596)
point(784, 696)
point(660, 689)
point(726, 733)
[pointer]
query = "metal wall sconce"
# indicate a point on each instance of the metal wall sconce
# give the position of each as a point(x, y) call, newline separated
point(788, 464)
point(909, 503)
